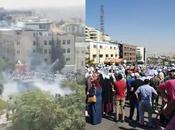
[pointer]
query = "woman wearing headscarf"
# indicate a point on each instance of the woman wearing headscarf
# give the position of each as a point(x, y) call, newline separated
point(107, 94)
point(95, 109)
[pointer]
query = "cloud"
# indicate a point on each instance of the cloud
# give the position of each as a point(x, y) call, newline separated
point(22, 4)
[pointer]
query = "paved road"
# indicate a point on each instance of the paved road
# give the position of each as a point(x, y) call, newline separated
point(109, 124)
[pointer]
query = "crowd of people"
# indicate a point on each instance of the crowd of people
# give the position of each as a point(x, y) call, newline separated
point(146, 88)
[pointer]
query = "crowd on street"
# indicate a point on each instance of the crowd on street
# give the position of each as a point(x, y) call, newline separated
point(147, 88)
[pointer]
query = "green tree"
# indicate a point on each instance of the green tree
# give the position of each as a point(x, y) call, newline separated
point(138, 56)
point(1, 89)
point(37, 110)
point(6, 65)
point(57, 53)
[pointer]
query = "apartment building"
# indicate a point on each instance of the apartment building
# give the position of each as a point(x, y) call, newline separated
point(101, 51)
point(127, 52)
point(92, 34)
point(15, 44)
point(141, 54)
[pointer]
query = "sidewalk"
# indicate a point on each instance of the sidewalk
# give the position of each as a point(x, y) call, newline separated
point(109, 124)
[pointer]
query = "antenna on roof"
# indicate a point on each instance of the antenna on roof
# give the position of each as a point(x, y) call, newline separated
point(102, 22)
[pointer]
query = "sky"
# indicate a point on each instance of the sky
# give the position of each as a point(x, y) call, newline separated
point(54, 9)
point(148, 23)
point(18, 4)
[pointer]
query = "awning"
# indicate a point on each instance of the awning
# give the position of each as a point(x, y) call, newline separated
point(113, 60)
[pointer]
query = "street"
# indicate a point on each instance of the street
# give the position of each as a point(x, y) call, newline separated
point(109, 124)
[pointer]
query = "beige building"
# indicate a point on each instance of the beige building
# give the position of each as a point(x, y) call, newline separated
point(100, 51)
point(92, 34)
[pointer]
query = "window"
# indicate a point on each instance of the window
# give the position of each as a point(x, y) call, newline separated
point(68, 41)
point(45, 59)
point(101, 56)
point(64, 50)
point(18, 43)
point(101, 46)
point(111, 55)
point(58, 41)
point(45, 42)
point(50, 51)
point(116, 55)
point(110, 47)
point(107, 55)
point(94, 56)
point(50, 42)
point(64, 41)
point(68, 59)
point(33, 51)
point(94, 46)
point(114, 48)
point(68, 50)
point(34, 43)
point(18, 52)
point(45, 51)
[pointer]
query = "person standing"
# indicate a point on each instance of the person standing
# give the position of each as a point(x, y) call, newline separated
point(155, 82)
point(120, 88)
point(95, 109)
point(145, 93)
point(134, 103)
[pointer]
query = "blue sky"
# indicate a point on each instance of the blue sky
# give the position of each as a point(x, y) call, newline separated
point(148, 23)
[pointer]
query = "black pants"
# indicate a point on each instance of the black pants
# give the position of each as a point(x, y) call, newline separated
point(134, 104)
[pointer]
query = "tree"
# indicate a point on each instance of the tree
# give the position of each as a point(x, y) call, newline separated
point(1, 89)
point(37, 110)
point(138, 56)
point(6, 65)
point(89, 62)
point(57, 53)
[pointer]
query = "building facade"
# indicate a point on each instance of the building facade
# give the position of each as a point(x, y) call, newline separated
point(141, 54)
point(15, 44)
point(23, 45)
point(128, 52)
point(100, 51)
point(92, 34)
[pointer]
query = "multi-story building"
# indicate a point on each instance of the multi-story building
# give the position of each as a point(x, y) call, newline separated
point(23, 45)
point(15, 44)
point(128, 52)
point(101, 51)
point(92, 34)
point(141, 54)
point(36, 24)
point(76, 29)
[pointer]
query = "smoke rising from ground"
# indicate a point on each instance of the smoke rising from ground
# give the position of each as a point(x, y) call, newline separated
point(13, 88)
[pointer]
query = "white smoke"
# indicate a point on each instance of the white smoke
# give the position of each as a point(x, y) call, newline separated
point(13, 88)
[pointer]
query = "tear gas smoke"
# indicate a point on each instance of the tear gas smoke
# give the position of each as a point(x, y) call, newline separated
point(16, 87)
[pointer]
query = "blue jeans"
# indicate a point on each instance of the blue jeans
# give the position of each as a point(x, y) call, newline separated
point(145, 106)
